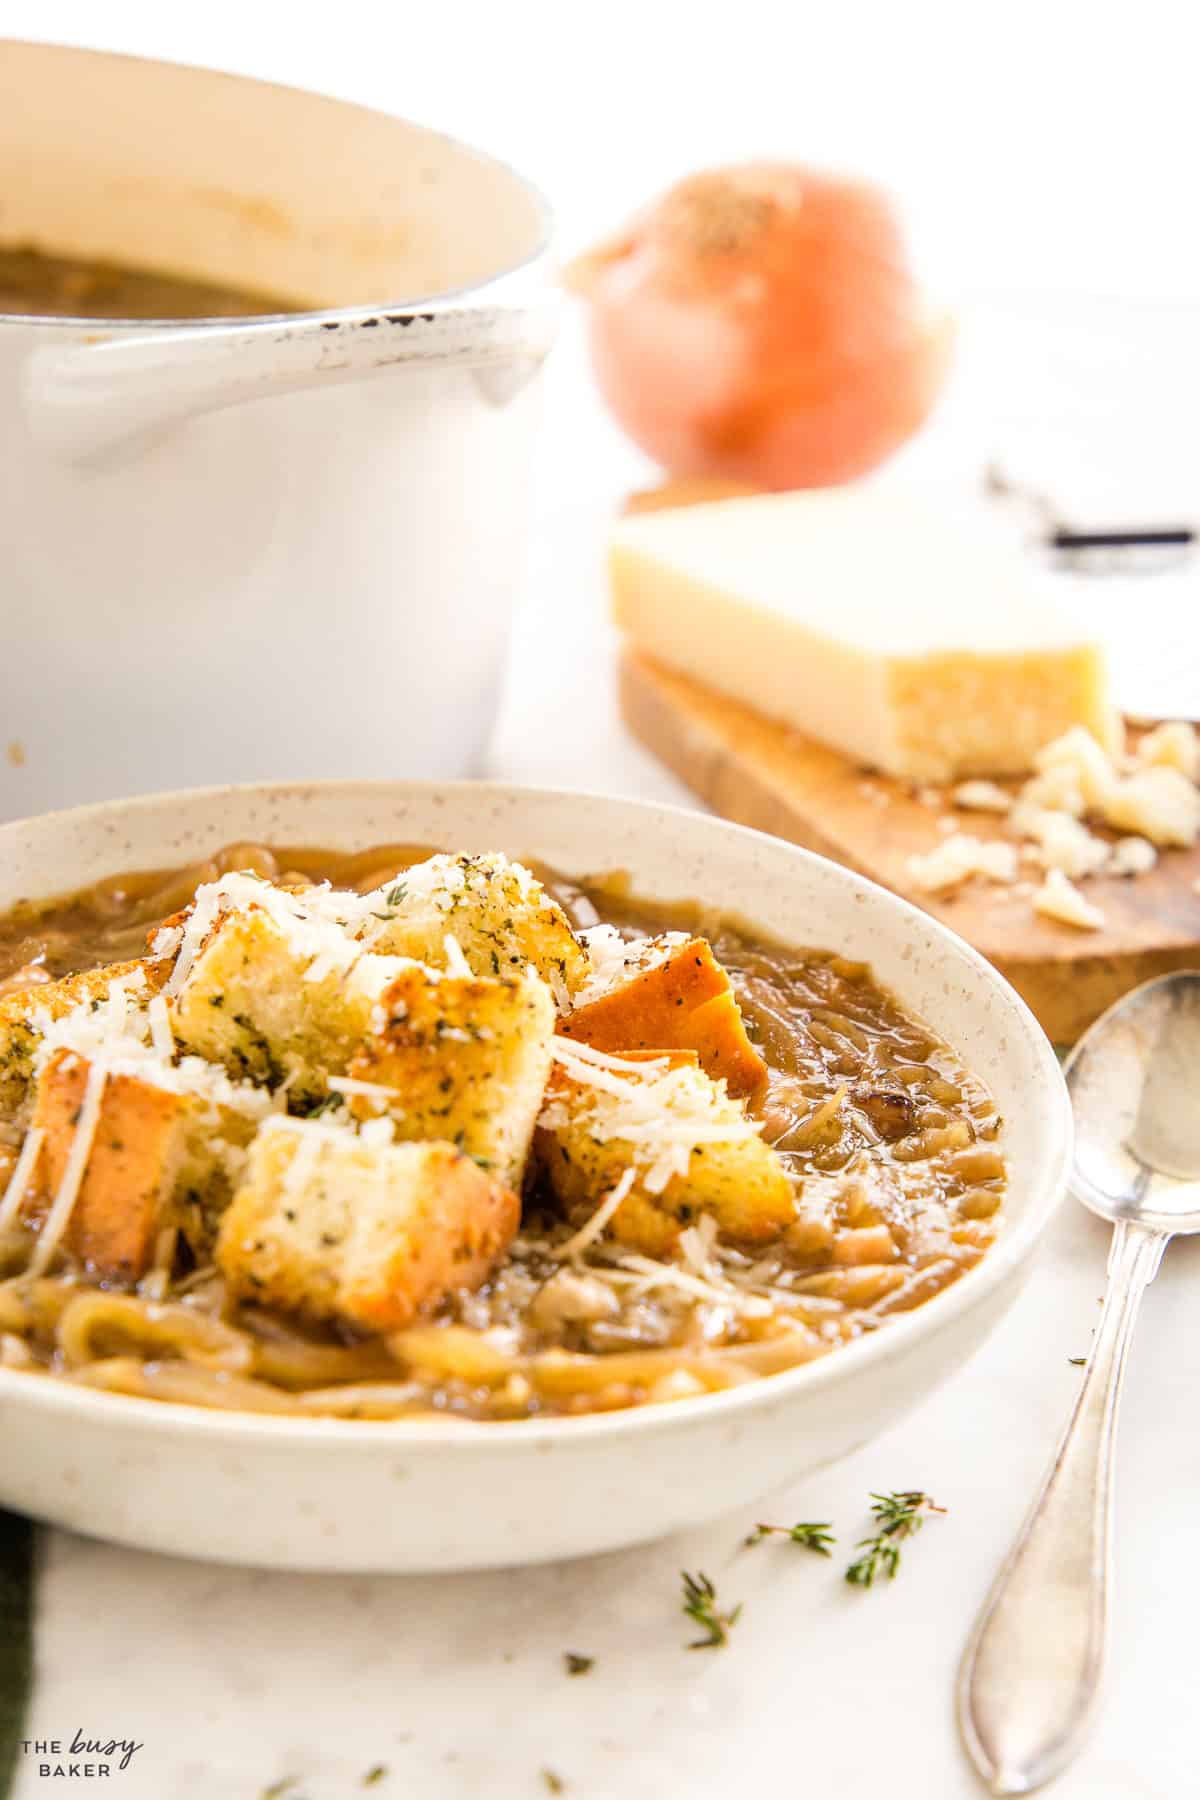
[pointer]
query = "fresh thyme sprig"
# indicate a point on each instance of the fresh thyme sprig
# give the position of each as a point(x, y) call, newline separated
point(898, 1517)
point(818, 1537)
point(700, 1604)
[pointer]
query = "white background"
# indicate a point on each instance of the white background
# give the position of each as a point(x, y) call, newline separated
point(1044, 151)
point(1042, 144)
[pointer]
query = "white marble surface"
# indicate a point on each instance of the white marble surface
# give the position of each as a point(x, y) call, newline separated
point(234, 1680)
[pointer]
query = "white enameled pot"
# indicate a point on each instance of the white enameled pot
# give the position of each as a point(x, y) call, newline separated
point(436, 1494)
point(287, 547)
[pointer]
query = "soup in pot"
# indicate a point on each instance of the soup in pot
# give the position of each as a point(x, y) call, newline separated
point(35, 283)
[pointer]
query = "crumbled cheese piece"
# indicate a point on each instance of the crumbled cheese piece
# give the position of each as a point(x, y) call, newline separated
point(1159, 803)
point(1173, 745)
point(1056, 789)
point(1058, 898)
point(1080, 753)
point(981, 796)
point(1132, 856)
point(1063, 842)
point(957, 860)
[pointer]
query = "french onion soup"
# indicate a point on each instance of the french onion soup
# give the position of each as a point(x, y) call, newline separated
point(400, 1134)
point(34, 283)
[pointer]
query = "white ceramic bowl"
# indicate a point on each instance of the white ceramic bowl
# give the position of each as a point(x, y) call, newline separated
point(330, 1494)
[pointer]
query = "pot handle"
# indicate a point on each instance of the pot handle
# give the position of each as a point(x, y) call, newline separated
point(111, 397)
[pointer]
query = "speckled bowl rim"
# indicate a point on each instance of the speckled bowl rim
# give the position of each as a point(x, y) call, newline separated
point(1046, 1188)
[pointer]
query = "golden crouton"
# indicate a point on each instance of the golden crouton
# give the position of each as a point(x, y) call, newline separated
point(340, 1230)
point(124, 1198)
point(22, 1016)
point(499, 915)
point(160, 1155)
point(691, 1150)
point(462, 1058)
point(250, 1003)
point(683, 1001)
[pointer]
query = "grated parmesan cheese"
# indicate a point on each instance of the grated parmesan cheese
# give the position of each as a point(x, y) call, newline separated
point(369, 1090)
point(662, 1113)
point(58, 1217)
point(166, 941)
point(614, 959)
point(137, 1042)
point(161, 1035)
point(14, 1193)
point(456, 962)
point(317, 923)
point(600, 1219)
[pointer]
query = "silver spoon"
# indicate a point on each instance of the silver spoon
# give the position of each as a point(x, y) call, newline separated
point(1031, 1673)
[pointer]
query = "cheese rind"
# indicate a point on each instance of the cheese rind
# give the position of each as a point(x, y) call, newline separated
point(863, 621)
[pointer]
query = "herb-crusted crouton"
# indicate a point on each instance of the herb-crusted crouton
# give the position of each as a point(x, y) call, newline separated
point(460, 1058)
point(270, 1007)
point(24, 1017)
point(131, 1143)
point(499, 915)
point(671, 995)
point(340, 1229)
point(135, 1144)
point(671, 1135)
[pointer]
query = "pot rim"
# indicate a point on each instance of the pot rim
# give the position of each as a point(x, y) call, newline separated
point(536, 264)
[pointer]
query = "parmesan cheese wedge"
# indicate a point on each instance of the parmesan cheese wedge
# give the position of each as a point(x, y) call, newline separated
point(864, 620)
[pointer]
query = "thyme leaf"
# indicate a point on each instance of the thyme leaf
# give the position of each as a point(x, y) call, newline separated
point(812, 1536)
point(898, 1517)
point(700, 1605)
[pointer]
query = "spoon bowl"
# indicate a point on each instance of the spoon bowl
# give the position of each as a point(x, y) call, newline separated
point(1134, 1081)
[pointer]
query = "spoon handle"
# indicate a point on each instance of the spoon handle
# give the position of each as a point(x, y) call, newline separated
point(1031, 1672)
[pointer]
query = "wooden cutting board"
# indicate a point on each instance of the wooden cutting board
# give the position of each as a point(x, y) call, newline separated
point(758, 773)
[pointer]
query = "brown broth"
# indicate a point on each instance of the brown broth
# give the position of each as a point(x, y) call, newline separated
point(36, 284)
point(891, 1142)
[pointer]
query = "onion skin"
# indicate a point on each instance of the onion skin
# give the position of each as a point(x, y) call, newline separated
point(761, 324)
